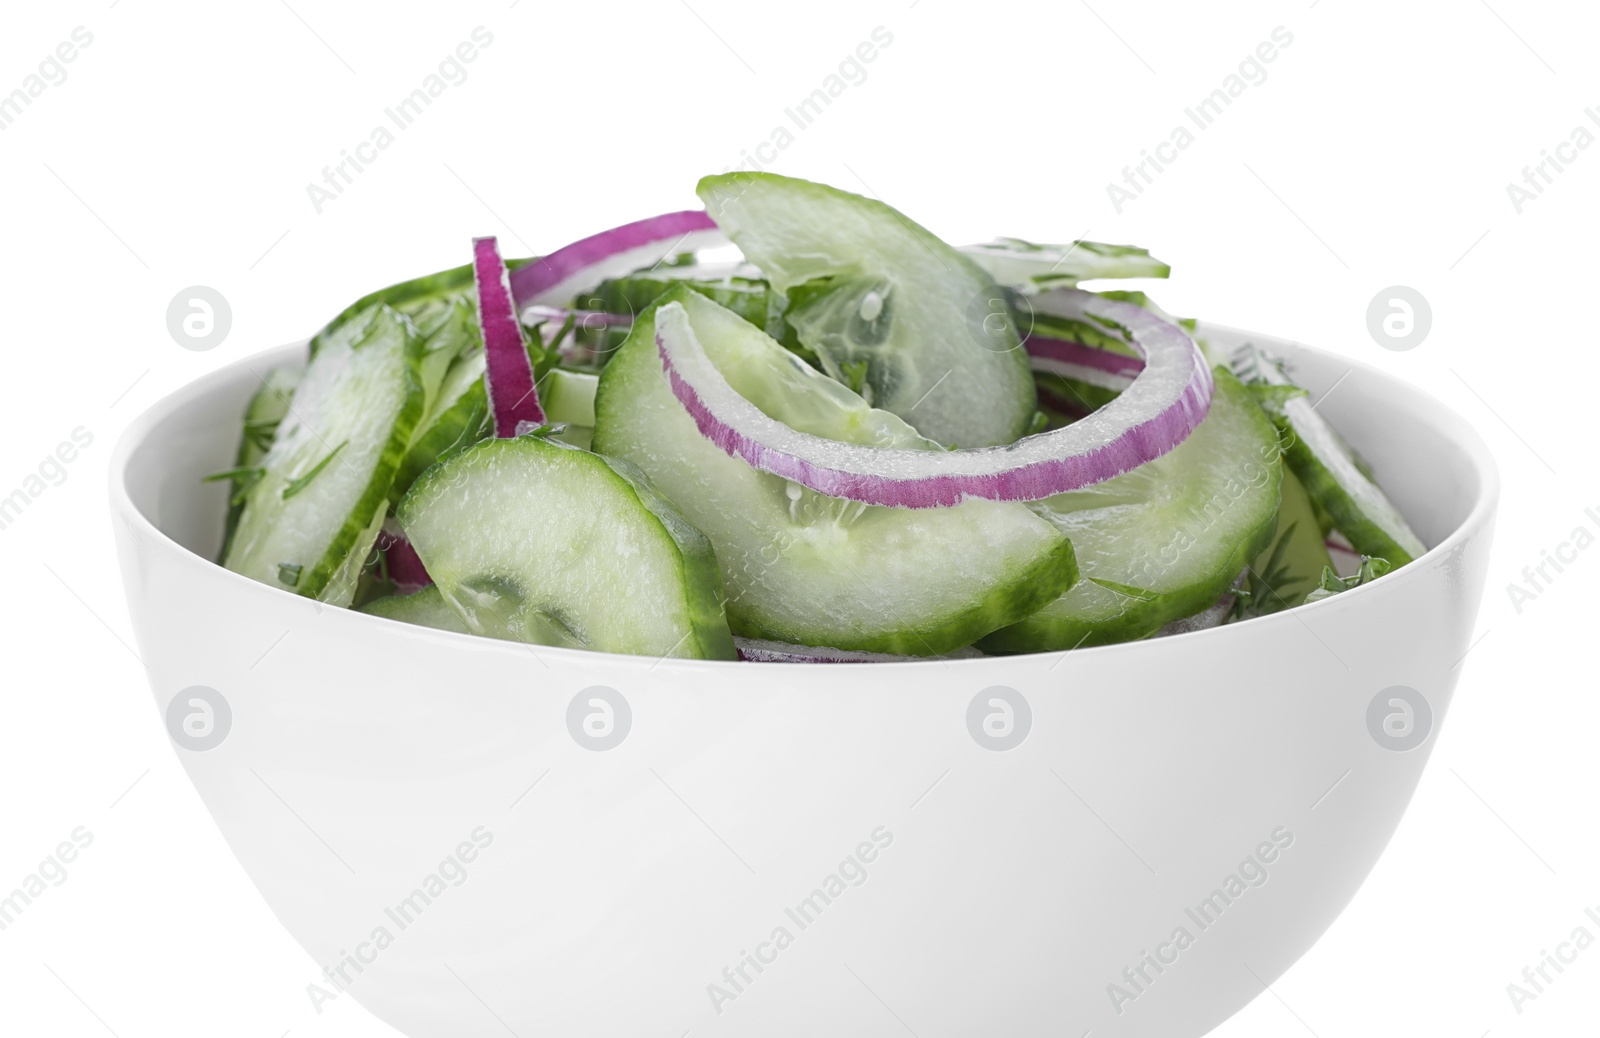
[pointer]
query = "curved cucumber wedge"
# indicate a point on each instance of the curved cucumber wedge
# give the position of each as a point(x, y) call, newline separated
point(1165, 540)
point(536, 541)
point(1291, 567)
point(455, 415)
point(312, 516)
point(261, 417)
point(426, 608)
point(814, 570)
point(867, 286)
point(1030, 266)
point(1332, 475)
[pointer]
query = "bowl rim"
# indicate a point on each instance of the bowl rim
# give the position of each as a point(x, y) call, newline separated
point(1460, 432)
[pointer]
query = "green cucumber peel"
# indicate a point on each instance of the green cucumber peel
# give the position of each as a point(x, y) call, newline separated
point(1165, 540)
point(1335, 478)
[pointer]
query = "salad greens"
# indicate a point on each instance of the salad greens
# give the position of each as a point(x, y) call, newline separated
point(858, 444)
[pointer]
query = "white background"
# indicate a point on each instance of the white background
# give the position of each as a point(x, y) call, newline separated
point(1376, 152)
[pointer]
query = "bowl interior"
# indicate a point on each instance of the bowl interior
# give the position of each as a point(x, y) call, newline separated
point(1428, 459)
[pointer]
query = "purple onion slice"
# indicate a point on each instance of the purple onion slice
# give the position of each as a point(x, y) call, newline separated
point(508, 372)
point(1163, 404)
point(555, 279)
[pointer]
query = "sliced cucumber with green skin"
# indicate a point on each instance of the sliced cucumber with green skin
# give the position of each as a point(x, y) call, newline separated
point(867, 286)
point(261, 418)
point(460, 417)
point(532, 540)
point(814, 570)
point(1291, 567)
point(1165, 540)
point(1328, 467)
point(426, 608)
point(313, 515)
point(451, 341)
point(1031, 266)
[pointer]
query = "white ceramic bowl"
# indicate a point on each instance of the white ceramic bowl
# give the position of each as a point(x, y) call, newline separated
point(975, 891)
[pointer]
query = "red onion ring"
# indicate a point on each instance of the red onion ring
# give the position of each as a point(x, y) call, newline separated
point(555, 279)
point(1168, 398)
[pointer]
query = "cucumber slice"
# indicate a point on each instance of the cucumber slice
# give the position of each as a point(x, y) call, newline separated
point(807, 569)
point(460, 416)
point(1165, 540)
point(536, 541)
point(1291, 568)
point(452, 340)
point(261, 417)
point(426, 608)
point(312, 516)
point(1030, 266)
point(1332, 475)
point(867, 286)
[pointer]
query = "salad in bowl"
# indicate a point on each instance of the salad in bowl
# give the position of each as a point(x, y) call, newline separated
point(850, 442)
